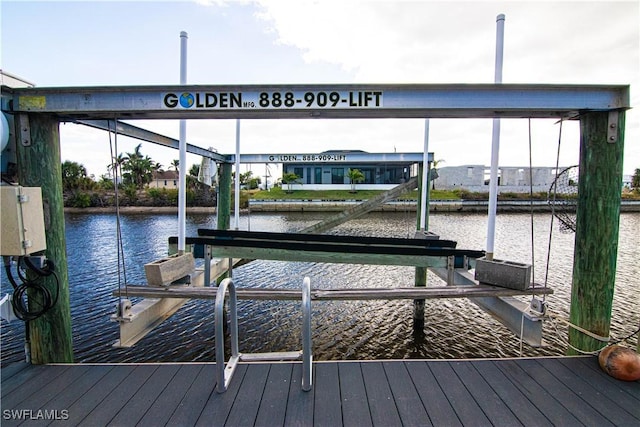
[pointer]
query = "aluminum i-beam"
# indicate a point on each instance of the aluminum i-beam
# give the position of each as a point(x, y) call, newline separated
point(146, 135)
point(509, 311)
point(321, 101)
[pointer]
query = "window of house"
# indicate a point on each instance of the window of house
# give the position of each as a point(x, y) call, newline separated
point(337, 175)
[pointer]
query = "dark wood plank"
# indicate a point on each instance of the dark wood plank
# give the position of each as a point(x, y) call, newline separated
point(219, 405)
point(11, 370)
point(138, 405)
point(539, 396)
point(120, 396)
point(590, 392)
point(405, 395)
point(327, 408)
point(567, 397)
point(300, 403)
point(167, 402)
point(562, 391)
point(245, 408)
point(462, 402)
point(621, 392)
point(438, 408)
point(273, 407)
point(194, 400)
point(82, 407)
point(632, 388)
point(510, 394)
point(383, 409)
point(492, 405)
point(19, 381)
point(355, 408)
point(76, 390)
point(42, 388)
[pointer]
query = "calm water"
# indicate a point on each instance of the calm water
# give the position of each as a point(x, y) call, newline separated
point(455, 328)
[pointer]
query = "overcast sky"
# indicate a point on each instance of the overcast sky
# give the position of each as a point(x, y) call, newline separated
point(90, 43)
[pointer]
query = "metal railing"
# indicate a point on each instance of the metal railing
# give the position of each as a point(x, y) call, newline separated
point(224, 372)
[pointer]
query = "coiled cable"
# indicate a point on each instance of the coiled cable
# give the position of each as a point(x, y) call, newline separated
point(41, 299)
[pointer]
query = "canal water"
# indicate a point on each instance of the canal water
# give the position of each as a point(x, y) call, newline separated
point(454, 328)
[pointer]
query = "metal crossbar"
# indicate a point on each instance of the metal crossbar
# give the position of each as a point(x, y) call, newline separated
point(224, 372)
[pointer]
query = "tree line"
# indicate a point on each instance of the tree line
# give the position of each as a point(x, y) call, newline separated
point(133, 172)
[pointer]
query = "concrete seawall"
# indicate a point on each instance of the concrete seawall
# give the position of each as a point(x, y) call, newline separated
point(465, 206)
point(410, 206)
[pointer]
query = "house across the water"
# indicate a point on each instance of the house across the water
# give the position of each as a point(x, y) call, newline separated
point(329, 169)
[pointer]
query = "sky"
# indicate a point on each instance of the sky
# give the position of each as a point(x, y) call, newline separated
point(110, 43)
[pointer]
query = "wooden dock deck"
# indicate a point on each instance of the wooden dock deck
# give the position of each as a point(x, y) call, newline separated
point(562, 391)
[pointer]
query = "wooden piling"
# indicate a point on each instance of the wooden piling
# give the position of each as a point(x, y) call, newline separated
point(224, 197)
point(39, 165)
point(597, 221)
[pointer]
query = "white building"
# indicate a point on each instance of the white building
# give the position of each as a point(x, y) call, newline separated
point(511, 179)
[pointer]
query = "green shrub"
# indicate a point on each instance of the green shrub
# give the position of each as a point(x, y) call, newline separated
point(79, 200)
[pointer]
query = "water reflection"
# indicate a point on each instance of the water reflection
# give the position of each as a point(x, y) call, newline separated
point(454, 328)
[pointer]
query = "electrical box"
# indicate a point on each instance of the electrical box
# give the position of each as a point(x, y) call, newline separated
point(22, 222)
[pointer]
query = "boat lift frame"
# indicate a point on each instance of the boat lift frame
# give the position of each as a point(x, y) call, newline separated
point(74, 104)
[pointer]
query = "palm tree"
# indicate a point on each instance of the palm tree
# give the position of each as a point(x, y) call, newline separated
point(74, 175)
point(157, 168)
point(138, 169)
point(175, 164)
point(355, 176)
point(289, 178)
point(115, 168)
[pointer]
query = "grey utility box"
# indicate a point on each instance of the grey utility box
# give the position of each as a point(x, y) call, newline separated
point(507, 274)
point(22, 221)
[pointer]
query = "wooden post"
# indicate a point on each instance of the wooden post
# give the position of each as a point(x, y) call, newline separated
point(223, 210)
point(39, 165)
point(224, 197)
point(421, 272)
point(598, 214)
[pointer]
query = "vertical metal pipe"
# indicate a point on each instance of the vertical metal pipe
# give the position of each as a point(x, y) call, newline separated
point(236, 206)
point(182, 175)
point(495, 144)
point(425, 179)
point(307, 349)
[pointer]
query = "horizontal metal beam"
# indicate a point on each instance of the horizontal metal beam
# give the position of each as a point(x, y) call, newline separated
point(354, 294)
point(321, 101)
point(146, 135)
point(333, 158)
point(330, 257)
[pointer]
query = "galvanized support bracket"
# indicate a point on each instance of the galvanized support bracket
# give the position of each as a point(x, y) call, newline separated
point(451, 265)
point(25, 130)
point(612, 127)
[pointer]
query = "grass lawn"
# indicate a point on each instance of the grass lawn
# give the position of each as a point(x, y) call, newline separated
point(278, 193)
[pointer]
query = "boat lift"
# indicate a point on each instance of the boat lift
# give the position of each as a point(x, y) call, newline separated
point(347, 101)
